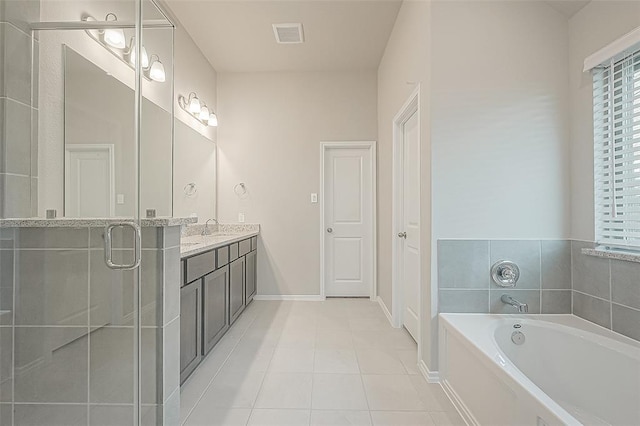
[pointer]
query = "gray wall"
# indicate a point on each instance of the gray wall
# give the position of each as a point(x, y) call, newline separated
point(67, 333)
point(18, 109)
point(556, 278)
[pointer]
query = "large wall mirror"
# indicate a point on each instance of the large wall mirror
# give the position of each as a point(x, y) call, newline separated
point(100, 154)
point(177, 176)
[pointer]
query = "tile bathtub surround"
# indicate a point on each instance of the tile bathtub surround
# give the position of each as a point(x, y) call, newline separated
point(557, 277)
point(606, 291)
point(465, 284)
point(69, 337)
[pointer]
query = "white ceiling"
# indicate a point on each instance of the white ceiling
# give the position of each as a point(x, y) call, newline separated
point(568, 7)
point(237, 36)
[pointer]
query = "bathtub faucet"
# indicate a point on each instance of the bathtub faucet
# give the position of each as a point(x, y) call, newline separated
point(521, 307)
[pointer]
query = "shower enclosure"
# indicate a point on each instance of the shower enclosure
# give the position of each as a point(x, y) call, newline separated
point(89, 251)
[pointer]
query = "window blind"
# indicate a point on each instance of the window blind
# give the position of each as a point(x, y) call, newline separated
point(616, 112)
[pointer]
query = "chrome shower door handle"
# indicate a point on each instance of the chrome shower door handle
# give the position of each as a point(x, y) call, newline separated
point(108, 246)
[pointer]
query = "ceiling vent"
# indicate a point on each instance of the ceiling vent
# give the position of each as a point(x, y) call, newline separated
point(288, 33)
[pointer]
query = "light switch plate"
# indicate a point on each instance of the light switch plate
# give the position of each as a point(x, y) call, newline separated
point(314, 197)
point(120, 199)
point(241, 217)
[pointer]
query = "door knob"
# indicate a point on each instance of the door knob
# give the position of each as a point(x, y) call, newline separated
point(402, 234)
point(329, 230)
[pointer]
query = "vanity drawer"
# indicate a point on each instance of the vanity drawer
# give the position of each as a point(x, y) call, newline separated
point(200, 265)
point(233, 252)
point(254, 243)
point(244, 247)
point(223, 257)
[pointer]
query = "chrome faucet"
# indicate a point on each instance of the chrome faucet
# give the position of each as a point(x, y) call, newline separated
point(205, 230)
point(521, 307)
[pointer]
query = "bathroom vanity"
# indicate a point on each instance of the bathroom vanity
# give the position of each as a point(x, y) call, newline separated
point(218, 280)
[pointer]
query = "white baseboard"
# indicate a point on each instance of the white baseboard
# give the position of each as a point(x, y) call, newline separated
point(462, 409)
point(300, 297)
point(429, 376)
point(385, 310)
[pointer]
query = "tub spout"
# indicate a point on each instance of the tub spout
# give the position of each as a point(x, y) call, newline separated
point(521, 307)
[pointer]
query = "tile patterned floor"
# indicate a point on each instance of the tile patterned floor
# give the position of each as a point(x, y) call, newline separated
point(337, 362)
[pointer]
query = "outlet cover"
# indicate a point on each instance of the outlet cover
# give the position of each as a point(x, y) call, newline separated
point(314, 197)
point(241, 217)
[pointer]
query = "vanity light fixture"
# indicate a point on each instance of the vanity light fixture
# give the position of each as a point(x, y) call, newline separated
point(144, 63)
point(198, 109)
point(156, 69)
point(194, 104)
point(213, 119)
point(114, 41)
point(204, 114)
point(114, 37)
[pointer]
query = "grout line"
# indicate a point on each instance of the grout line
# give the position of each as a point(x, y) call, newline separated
point(590, 295)
point(624, 306)
point(571, 273)
point(13, 332)
point(89, 328)
point(18, 102)
point(610, 294)
point(540, 269)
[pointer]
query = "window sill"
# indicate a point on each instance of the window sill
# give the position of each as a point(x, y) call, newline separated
point(628, 256)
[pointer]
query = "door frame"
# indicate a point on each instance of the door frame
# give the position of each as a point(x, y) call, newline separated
point(410, 107)
point(371, 145)
point(110, 148)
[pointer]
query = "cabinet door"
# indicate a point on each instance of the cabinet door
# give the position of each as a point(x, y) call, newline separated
point(237, 272)
point(216, 316)
point(190, 328)
point(250, 281)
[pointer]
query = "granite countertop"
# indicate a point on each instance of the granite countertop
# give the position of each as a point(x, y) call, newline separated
point(196, 244)
point(63, 222)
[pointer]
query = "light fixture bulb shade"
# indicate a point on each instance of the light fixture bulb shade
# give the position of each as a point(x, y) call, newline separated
point(115, 38)
point(213, 120)
point(145, 58)
point(194, 105)
point(204, 114)
point(156, 72)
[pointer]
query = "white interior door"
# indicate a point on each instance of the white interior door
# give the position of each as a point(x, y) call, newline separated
point(89, 181)
point(410, 231)
point(348, 221)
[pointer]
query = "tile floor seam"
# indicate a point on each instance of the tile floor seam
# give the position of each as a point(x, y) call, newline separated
point(204, 391)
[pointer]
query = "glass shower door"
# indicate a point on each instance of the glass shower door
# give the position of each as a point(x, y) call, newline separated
point(72, 315)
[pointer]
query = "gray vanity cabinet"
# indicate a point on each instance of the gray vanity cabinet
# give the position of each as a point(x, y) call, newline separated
point(237, 277)
point(190, 328)
point(222, 282)
point(250, 280)
point(216, 313)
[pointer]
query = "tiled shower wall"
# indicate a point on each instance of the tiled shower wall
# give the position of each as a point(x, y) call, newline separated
point(67, 341)
point(556, 278)
point(18, 109)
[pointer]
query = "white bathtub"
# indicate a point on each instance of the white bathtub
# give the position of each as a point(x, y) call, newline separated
point(567, 371)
